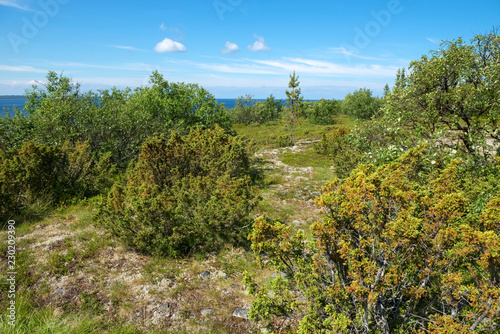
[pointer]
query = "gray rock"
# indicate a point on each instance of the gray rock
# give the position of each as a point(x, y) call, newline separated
point(241, 313)
point(207, 311)
point(309, 220)
point(316, 193)
point(225, 291)
point(296, 222)
point(60, 291)
point(205, 274)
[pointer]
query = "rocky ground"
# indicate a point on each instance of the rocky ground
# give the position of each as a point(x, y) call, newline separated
point(76, 265)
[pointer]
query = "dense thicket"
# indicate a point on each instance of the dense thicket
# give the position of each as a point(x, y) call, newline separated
point(115, 121)
point(448, 99)
point(402, 248)
point(361, 104)
point(323, 111)
point(184, 194)
point(37, 176)
point(410, 242)
point(249, 111)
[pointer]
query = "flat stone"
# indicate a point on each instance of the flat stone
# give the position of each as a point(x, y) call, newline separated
point(60, 291)
point(296, 222)
point(205, 274)
point(241, 313)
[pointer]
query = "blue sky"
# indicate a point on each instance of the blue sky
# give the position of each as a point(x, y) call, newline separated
point(230, 47)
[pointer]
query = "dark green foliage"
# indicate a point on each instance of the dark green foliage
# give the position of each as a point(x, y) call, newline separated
point(294, 103)
point(335, 145)
point(184, 194)
point(49, 174)
point(249, 111)
point(115, 121)
point(323, 111)
point(284, 141)
point(361, 104)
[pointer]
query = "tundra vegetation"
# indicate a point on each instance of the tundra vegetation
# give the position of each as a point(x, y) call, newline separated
point(366, 215)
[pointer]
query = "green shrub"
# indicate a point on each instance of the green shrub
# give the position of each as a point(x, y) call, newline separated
point(184, 194)
point(284, 141)
point(335, 145)
point(249, 111)
point(37, 173)
point(322, 112)
point(115, 121)
point(361, 104)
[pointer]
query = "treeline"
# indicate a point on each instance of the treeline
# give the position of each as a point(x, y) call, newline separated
point(360, 104)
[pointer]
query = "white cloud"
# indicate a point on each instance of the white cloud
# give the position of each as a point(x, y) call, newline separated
point(230, 48)
point(163, 27)
point(13, 4)
point(258, 45)
point(169, 46)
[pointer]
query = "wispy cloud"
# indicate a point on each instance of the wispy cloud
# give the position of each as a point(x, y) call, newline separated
point(169, 46)
point(343, 51)
point(258, 45)
point(122, 67)
point(237, 68)
point(128, 48)
point(230, 48)
point(21, 69)
point(324, 68)
point(432, 40)
point(14, 4)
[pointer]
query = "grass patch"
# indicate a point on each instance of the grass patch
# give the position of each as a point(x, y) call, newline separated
point(307, 158)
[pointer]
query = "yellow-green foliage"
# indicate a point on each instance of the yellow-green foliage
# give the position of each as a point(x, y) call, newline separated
point(396, 251)
point(334, 145)
point(184, 194)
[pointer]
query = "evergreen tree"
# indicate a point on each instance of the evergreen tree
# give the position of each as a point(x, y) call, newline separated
point(293, 101)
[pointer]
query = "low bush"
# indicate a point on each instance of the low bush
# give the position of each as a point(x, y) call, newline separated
point(183, 195)
point(336, 146)
point(284, 141)
point(37, 173)
point(323, 111)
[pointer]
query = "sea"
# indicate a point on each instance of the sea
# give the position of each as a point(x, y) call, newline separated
point(9, 102)
point(16, 100)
